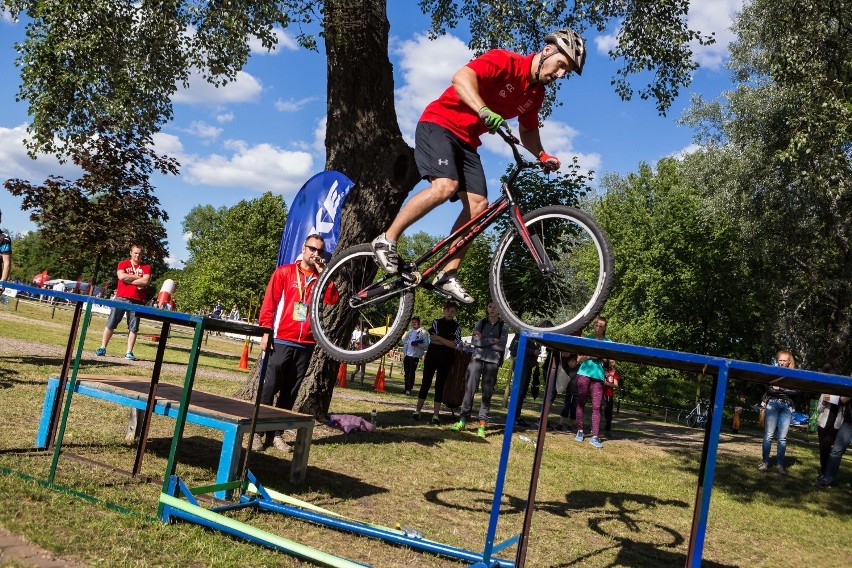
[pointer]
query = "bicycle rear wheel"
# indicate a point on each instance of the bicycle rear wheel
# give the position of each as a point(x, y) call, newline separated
point(567, 298)
point(384, 321)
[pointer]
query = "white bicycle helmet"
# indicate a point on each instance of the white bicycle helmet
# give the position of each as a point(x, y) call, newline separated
point(571, 45)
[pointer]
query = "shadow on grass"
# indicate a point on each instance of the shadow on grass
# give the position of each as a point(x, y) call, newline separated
point(268, 466)
point(609, 514)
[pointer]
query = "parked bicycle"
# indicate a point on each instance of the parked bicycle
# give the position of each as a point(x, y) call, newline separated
point(554, 264)
point(697, 417)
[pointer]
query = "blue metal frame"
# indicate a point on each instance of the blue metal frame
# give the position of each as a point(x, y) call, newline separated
point(722, 370)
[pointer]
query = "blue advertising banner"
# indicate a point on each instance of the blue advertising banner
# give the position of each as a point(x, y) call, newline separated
point(315, 209)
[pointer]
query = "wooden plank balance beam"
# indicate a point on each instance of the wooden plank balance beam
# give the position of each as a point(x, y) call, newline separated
point(230, 415)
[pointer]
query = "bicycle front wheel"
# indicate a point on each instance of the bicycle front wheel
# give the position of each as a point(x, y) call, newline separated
point(336, 308)
point(565, 298)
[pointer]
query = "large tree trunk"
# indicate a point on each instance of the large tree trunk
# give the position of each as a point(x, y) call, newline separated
point(364, 142)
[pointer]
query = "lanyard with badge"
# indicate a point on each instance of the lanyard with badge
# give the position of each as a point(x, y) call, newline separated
point(300, 308)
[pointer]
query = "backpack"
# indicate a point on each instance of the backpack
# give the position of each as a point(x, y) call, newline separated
point(500, 323)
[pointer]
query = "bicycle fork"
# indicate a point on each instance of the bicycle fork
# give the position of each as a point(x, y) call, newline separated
point(532, 240)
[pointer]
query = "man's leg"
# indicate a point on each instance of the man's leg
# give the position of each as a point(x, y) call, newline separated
point(115, 317)
point(384, 246)
point(841, 442)
point(489, 377)
point(472, 205)
point(474, 370)
point(441, 190)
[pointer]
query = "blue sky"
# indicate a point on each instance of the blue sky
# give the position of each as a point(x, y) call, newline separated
point(265, 131)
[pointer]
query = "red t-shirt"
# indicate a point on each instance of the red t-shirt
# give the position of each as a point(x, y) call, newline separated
point(129, 291)
point(504, 84)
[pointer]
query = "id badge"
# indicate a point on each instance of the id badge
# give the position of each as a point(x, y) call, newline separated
point(300, 311)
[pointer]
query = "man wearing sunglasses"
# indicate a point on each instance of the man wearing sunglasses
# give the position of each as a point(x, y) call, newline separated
point(285, 310)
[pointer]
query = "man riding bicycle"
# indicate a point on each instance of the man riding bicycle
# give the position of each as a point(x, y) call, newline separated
point(495, 86)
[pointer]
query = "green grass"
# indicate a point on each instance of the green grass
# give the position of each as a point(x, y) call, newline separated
point(627, 505)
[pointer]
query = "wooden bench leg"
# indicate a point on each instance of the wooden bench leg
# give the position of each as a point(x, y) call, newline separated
point(229, 461)
point(299, 464)
point(46, 412)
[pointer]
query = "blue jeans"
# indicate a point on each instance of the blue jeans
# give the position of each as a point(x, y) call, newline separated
point(778, 416)
point(841, 442)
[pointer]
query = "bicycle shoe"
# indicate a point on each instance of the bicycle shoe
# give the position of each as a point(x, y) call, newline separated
point(384, 251)
point(451, 286)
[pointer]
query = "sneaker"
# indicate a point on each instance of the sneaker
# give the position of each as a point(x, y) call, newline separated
point(823, 482)
point(522, 423)
point(458, 426)
point(436, 420)
point(596, 442)
point(560, 428)
point(408, 393)
point(451, 286)
point(764, 466)
point(101, 351)
point(281, 445)
point(415, 416)
point(481, 431)
point(579, 437)
point(384, 251)
point(781, 469)
point(130, 356)
point(258, 443)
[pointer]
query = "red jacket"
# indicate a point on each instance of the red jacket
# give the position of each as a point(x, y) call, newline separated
point(282, 293)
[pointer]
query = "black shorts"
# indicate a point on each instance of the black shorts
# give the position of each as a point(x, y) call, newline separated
point(441, 154)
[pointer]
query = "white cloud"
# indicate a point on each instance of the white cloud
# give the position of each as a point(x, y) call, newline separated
point(224, 117)
point(245, 88)
point(169, 144)
point(319, 135)
point(685, 151)
point(262, 167)
point(285, 41)
point(173, 262)
point(5, 16)
point(186, 236)
point(604, 43)
point(557, 138)
point(715, 17)
point(427, 69)
point(292, 105)
point(203, 130)
point(15, 163)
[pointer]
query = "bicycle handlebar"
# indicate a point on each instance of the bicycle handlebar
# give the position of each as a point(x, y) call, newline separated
point(505, 133)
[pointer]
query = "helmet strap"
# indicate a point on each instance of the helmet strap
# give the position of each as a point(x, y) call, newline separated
point(540, 64)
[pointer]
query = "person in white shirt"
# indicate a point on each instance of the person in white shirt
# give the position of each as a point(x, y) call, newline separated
point(414, 345)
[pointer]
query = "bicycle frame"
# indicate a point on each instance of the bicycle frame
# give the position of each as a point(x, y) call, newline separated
point(410, 276)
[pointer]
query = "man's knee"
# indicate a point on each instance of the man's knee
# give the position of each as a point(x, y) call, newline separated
point(444, 188)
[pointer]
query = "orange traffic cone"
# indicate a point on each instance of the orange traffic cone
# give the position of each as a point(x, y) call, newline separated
point(244, 358)
point(341, 376)
point(379, 383)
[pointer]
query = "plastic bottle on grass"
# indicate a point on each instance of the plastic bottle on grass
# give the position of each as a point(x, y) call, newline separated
point(373, 418)
point(410, 532)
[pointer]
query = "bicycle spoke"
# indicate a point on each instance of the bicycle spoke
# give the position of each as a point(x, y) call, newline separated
point(383, 317)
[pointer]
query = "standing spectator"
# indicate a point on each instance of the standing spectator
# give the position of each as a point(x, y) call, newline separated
point(569, 409)
point(531, 354)
point(5, 252)
point(360, 339)
point(217, 310)
point(590, 378)
point(778, 408)
point(829, 421)
point(444, 339)
point(490, 335)
point(612, 380)
point(414, 345)
point(285, 310)
point(133, 277)
point(841, 443)
point(234, 315)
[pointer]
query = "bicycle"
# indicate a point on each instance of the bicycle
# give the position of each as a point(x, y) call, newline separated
point(554, 265)
point(697, 417)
